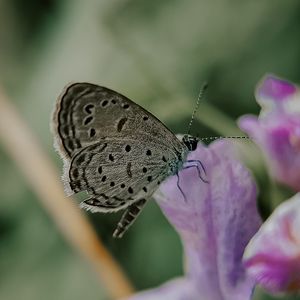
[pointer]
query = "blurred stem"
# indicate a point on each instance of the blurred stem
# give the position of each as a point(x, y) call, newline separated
point(208, 115)
point(24, 148)
point(166, 87)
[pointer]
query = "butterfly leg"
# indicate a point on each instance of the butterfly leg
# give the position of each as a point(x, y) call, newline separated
point(198, 164)
point(128, 218)
point(180, 189)
point(195, 164)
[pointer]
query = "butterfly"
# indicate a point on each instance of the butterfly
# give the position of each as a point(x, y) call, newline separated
point(114, 150)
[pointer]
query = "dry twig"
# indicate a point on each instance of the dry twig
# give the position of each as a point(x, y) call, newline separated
point(25, 150)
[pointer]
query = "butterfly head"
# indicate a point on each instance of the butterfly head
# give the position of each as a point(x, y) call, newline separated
point(190, 141)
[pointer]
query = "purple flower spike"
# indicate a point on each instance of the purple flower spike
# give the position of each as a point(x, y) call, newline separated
point(273, 255)
point(275, 89)
point(215, 221)
point(277, 129)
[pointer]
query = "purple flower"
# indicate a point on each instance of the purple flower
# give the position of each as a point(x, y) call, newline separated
point(215, 221)
point(273, 255)
point(277, 129)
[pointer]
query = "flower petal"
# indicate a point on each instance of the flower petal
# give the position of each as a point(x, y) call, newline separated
point(277, 130)
point(273, 255)
point(176, 289)
point(275, 89)
point(215, 221)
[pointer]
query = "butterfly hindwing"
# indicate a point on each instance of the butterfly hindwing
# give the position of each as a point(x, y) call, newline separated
point(111, 174)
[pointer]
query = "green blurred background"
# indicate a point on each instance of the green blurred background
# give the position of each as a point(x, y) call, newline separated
point(158, 53)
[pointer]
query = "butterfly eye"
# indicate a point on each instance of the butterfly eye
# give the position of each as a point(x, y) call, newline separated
point(193, 144)
point(190, 142)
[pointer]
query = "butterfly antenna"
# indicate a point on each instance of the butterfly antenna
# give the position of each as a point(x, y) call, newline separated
point(210, 138)
point(213, 138)
point(200, 97)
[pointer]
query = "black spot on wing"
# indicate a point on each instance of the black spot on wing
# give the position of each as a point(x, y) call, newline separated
point(121, 124)
point(89, 108)
point(88, 120)
point(92, 132)
point(104, 103)
point(128, 170)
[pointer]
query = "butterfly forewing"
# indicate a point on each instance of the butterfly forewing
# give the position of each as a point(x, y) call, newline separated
point(86, 113)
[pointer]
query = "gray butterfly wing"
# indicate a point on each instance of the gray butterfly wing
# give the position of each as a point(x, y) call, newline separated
point(93, 128)
point(117, 172)
point(85, 113)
